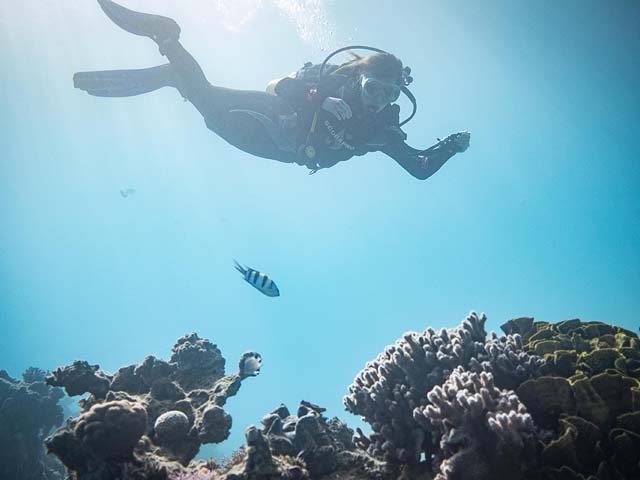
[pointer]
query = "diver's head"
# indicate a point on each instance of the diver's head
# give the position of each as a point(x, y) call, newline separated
point(377, 94)
point(381, 77)
point(381, 80)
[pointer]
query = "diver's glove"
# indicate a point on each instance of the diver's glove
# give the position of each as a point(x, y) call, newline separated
point(447, 148)
point(454, 143)
point(338, 107)
point(459, 141)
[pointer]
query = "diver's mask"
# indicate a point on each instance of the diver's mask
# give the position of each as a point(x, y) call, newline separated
point(378, 92)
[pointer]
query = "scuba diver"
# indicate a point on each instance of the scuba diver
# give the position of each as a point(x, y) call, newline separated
point(316, 117)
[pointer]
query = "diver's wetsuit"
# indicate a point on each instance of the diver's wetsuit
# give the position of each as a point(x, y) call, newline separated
point(218, 106)
point(333, 140)
point(296, 111)
point(289, 127)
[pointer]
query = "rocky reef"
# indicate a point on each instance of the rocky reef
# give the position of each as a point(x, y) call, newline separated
point(29, 409)
point(148, 420)
point(542, 402)
point(301, 446)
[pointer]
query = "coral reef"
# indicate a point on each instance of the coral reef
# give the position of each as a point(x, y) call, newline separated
point(111, 430)
point(484, 431)
point(586, 401)
point(303, 446)
point(148, 420)
point(171, 427)
point(398, 382)
point(545, 401)
point(29, 409)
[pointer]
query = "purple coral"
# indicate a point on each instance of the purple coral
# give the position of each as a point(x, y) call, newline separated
point(509, 362)
point(389, 389)
point(467, 414)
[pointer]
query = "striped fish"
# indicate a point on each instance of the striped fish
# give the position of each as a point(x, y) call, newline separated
point(258, 280)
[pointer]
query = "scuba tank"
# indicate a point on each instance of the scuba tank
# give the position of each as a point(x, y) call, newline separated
point(309, 71)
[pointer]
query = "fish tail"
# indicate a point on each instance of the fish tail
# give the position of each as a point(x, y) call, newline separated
point(239, 267)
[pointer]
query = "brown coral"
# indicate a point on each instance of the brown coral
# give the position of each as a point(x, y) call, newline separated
point(111, 429)
point(150, 417)
point(588, 398)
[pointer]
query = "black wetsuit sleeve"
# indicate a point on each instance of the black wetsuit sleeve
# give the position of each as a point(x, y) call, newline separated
point(421, 163)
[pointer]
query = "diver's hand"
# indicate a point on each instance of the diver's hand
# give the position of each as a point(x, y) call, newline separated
point(443, 150)
point(338, 107)
point(460, 141)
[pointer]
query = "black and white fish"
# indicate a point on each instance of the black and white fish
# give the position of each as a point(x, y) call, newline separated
point(250, 364)
point(258, 280)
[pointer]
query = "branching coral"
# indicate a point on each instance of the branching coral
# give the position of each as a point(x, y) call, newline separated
point(390, 388)
point(484, 431)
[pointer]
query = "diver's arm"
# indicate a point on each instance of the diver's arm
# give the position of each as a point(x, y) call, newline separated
point(423, 163)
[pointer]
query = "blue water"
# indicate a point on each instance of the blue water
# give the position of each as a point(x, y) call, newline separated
point(540, 217)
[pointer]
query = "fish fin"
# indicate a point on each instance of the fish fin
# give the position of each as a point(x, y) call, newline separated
point(239, 267)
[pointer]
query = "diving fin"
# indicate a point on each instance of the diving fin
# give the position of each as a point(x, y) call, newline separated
point(125, 83)
point(157, 27)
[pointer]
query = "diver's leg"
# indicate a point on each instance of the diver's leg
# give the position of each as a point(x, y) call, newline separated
point(216, 104)
point(192, 82)
point(247, 119)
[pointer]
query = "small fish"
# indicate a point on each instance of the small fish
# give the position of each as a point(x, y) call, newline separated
point(258, 280)
point(127, 192)
point(250, 364)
